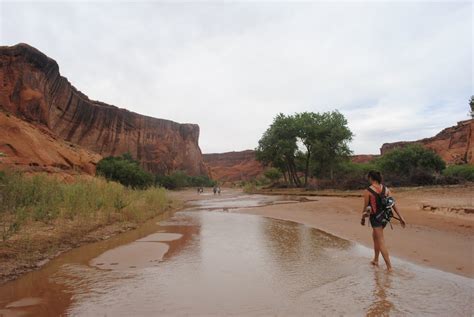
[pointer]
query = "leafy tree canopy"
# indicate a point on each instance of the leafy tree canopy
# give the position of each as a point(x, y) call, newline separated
point(125, 170)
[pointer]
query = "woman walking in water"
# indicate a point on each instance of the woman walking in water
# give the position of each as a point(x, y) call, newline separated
point(374, 199)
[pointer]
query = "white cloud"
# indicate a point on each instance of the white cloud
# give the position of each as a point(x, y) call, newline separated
point(397, 70)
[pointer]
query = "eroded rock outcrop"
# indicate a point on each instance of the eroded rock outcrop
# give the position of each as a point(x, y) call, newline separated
point(29, 147)
point(32, 89)
point(233, 166)
point(455, 144)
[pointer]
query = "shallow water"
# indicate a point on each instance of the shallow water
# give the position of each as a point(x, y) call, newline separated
point(220, 263)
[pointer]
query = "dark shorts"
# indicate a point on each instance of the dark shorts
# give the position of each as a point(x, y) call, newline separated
point(376, 223)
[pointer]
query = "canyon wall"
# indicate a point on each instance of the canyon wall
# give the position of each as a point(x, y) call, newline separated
point(32, 89)
point(233, 166)
point(455, 144)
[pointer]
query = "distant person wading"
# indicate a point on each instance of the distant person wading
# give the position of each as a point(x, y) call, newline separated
point(378, 206)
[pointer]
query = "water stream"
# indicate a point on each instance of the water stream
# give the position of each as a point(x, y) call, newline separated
point(213, 262)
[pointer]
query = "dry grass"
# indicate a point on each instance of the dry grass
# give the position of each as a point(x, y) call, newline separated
point(41, 215)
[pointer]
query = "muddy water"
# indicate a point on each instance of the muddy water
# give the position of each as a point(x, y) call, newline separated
point(202, 262)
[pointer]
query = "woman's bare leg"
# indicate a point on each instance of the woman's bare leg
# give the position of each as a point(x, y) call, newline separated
point(383, 249)
point(375, 261)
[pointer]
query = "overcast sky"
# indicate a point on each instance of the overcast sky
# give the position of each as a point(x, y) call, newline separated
point(396, 70)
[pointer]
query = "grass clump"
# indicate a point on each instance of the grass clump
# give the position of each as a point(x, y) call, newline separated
point(462, 172)
point(94, 201)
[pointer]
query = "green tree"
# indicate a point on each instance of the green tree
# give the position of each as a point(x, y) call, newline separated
point(278, 146)
point(292, 142)
point(125, 170)
point(309, 130)
point(331, 145)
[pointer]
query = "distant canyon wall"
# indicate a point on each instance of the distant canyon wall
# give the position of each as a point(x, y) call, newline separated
point(233, 166)
point(32, 89)
point(454, 144)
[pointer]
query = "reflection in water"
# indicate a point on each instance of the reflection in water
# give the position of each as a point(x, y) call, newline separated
point(381, 305)
point(226, 263)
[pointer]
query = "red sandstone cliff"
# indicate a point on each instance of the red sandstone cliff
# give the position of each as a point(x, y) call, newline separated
point(31, 88)
point(233, 166)
point(455, 144)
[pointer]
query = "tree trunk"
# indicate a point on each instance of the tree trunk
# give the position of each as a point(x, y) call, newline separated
point(306, 171)
point(284, 176)
point(290, 178)
point(295, 174)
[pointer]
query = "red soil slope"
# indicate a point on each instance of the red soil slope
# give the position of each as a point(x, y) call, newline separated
point(31, 148)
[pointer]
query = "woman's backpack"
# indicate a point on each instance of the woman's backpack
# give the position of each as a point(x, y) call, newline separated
point(384, 212)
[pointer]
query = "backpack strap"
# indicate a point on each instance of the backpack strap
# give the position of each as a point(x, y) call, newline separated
point(381, 194)
point(373, 192)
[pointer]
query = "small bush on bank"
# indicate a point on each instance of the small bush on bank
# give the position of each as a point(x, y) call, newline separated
point(249, 187)
point(47, 199)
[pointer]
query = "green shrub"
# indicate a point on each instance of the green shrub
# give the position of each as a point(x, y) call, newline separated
point(463, 172)
point(204, 181)
point(249, 187)
point(125, 170)
point(411, 159)
point(273, 174)
point(165, 181)
point(180, 179)
point(411, 165)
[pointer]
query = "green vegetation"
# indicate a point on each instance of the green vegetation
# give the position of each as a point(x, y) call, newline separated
point(308, 143)
point(249, 187)
point(125, 170)
point(128, 172)
point(460, 172)
point(311, 150)
point(180, 179)
point(412, 164)
point(46, 199)
point(410, 160)
point(273, 174)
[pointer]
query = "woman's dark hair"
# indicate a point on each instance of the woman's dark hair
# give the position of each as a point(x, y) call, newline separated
point(376, 176)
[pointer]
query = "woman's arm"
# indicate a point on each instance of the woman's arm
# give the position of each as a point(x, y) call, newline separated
point(402, 221)
point(366, 201)
point(364, 209)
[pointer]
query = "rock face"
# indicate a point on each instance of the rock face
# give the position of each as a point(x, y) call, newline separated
point(31, 88)
point(31, 148)
point(363, 158)
point(233, 166)
point(455, 144)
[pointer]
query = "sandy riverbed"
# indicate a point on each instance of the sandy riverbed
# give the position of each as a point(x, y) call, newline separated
point(434, 238)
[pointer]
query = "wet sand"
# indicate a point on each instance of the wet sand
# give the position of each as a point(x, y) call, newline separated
point(435, 239)
point(433, 236)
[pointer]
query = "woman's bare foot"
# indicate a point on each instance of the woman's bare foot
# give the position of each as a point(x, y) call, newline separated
point(374, 263)
point(389, 269)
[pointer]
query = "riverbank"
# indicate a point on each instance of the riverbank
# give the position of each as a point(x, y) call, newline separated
point(42, 217)
point(439, 231)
